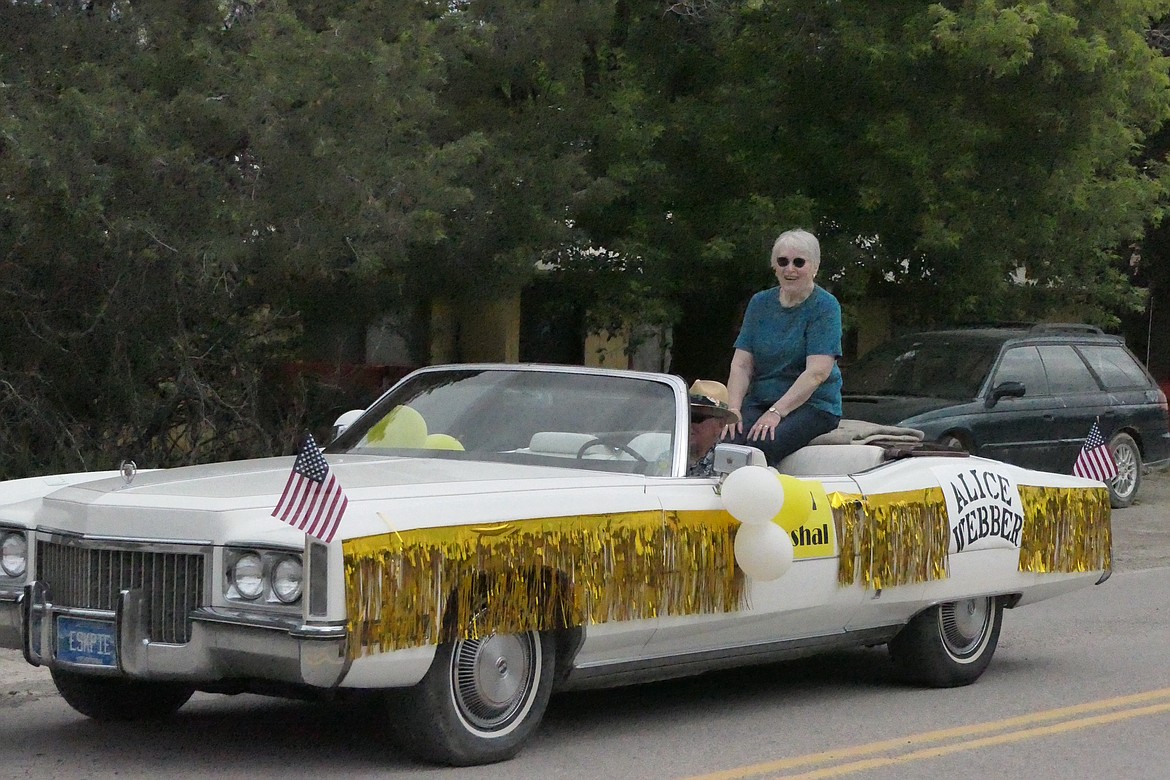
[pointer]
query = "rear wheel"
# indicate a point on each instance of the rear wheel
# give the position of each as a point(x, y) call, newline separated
point(1124, 487)
point(950, 644)
point(118, 698)
point(480, 700)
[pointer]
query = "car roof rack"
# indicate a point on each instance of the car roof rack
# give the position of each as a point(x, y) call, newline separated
point(1066, 327)
point(992, 325)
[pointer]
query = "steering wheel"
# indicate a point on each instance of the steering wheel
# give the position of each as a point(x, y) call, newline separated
point(622, 447)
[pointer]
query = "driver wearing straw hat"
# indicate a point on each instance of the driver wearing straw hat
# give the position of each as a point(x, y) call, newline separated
point(710, 412)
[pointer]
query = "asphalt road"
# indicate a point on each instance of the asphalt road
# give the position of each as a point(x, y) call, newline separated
point(1141, 533)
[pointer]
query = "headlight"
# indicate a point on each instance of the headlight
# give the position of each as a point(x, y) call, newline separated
point(263, 577)
point(248, 576)
point(287, 581)
point(13, 553)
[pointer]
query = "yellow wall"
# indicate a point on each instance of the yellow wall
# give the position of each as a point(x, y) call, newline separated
point(607, 350)
point(487, 333)
point(444, 332)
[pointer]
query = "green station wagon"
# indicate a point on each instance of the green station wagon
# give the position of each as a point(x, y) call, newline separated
point(1024, 395)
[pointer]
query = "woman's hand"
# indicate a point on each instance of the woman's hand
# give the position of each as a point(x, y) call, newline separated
point(765, 427)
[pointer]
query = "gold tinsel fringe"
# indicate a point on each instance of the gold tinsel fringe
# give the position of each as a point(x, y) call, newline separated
point(892, 538)
point(1065, 529)
point(900, 538)
point(430, 585)
point(848, 518)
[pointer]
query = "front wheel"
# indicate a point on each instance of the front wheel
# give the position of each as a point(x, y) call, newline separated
point(480, 700)
point(950, 644)
point(952, 442)
point(1124, 487)
point(120, 699)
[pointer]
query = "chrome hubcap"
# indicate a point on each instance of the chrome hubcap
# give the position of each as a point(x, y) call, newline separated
point(492, 678)
point(1126, 479)
point(964, 625)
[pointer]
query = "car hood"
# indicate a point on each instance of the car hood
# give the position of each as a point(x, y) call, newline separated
point(891, 409)
point(225, 501)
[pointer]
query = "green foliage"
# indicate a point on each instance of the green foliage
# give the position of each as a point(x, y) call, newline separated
point(935, 149)
point(191, 193)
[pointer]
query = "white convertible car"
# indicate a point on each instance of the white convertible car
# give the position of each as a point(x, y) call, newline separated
point(507, 531)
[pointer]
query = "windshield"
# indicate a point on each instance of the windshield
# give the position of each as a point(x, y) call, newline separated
point(576, 420)
point(929, 368)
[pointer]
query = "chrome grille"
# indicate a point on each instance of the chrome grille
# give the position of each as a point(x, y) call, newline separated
point(92, 578)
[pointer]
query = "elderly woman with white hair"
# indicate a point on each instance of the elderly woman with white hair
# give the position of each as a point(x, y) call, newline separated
point(784, 382)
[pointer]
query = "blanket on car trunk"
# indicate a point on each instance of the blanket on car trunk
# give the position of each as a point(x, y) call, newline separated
point(862, 432)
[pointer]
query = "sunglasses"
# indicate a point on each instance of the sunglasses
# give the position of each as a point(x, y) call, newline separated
point(797, 262)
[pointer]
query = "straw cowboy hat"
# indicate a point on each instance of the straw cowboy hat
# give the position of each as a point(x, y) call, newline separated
point(709, 399)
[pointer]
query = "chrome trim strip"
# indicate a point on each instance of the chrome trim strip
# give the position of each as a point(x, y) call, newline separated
point(92, 614)
point(686, 664)
point(241, 618)
point(65, 538)
point(265, 546)
point(309, 631)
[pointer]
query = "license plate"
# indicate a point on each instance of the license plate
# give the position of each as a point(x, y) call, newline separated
point(86, 642)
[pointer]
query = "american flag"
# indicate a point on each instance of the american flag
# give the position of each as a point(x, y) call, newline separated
point(1095, 461)
point(312, 500)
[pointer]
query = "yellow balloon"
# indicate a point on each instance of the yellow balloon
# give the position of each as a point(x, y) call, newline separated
point(441, 441)
point(403, 427)
point(798, 503)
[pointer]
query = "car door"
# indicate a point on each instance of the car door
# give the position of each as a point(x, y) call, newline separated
point(1083, 401)
point(1019, 430)
point(806, 601)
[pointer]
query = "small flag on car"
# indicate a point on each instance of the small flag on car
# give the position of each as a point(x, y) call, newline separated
point(1095, 461)
point(312, 500)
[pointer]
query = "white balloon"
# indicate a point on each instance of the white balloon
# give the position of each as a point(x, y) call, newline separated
point(753, 495)
point(764, 552)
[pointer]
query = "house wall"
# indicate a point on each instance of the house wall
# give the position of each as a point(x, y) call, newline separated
point(487, 333)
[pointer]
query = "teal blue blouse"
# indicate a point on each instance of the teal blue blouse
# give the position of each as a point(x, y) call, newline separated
point(780, 340)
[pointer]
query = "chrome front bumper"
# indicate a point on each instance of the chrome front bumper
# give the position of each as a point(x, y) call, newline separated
point(224, 644)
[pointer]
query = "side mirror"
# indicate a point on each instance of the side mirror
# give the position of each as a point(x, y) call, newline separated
point(344, 421)
point(1004, 390)
point(729, 457)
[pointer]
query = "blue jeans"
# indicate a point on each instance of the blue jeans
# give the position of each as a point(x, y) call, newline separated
point(793, 432)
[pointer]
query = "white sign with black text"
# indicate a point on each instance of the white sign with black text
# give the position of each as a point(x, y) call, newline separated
point(983, 505)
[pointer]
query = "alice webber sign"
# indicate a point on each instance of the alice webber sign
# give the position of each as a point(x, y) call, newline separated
point(983, 505)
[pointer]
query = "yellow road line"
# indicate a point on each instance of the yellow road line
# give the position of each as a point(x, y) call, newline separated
point(960, 732)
